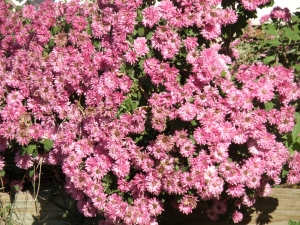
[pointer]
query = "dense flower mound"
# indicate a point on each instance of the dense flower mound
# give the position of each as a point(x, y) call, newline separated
point(137, 101)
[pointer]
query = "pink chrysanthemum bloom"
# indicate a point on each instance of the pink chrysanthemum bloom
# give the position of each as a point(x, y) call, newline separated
point(294, 165)
point(153, 184)
point(188, 203)
point(248, 201)
point(151, 16)
point(187, 112)
point(264, 190)
point(140, 46)
point(180, 137)
point(236, 190)
point(293, 177)
point(211, 31)
point(190, 43)
point(131, 56)
point(155, 207)
point(229, 16)
point(187, 149)
point(23, 162)
point(281, 13)
point(29, 11)
point(253, 4)
point(2, 163)
point(264, 18)
point(237, 216)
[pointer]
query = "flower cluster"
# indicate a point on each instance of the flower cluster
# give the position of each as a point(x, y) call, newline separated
point(136, 102)
point(277, 13)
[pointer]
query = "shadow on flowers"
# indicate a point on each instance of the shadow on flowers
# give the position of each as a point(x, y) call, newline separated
point(260, 213)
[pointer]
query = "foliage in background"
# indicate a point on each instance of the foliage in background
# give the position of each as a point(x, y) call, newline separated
point(292, 222)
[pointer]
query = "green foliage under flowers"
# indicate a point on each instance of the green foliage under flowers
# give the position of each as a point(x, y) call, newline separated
point(292, 222)
point(273, 43)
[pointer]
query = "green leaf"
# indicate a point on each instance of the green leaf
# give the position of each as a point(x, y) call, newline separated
point(2, 173)
point(284, 173)
point(269, 106)
point(149, 35)
point(140, 15)
point(89, 30)
point(290, 34)
point(31, 173)
point(296, 131)
point(297, 67)
point(16, 187)
point(130, 201)
point(271, 29)
point(141, 64)
point(185, 168)
point(194, 123)
point(35, 153)
point(48, 144)
point(30, 148)
point(295, 18)
point(297, 116)
point(141, 31)
point(269, 59)
point(56, 29)
point(189, 32)
point(273, 42)
point(288, 142)
point(223, 73)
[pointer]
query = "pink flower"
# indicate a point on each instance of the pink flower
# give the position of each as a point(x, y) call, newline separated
point(253, 4)
point(131, 56)
point(237, 216)
point(188, 203)
point(140, 46)
point(151, 16)
point(23, 162)
point(236, 190)
point(2, 163)
point(211, 31)
point(187, 149)
point(264, 190)
point(264, 18)
point(190, 43)
point(229, 16)
point(79, 23)
point(180, 137)
point(121, 167)
point(248, 201)
point(281, 13)
point(187, 112)
point(153, 184)
point(155, 207)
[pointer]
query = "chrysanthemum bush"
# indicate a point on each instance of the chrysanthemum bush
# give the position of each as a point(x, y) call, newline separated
point(138, 101)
